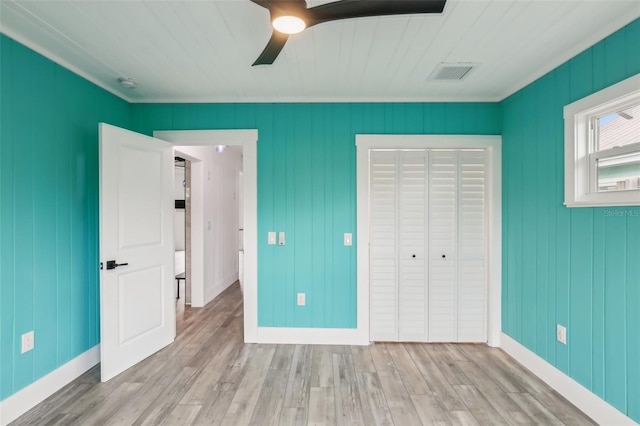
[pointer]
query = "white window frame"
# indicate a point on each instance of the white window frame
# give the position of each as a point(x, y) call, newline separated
point(580, 159)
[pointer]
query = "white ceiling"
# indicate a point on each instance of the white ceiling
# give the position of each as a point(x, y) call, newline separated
point(202, 51)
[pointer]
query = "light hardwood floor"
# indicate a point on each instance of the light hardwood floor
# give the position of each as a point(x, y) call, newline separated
point(208, 376)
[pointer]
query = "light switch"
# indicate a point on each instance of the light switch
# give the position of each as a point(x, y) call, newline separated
point(348, 239)
point(281, 238)
point(271, 238)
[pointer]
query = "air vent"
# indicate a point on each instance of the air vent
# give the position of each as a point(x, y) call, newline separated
point(452, 72)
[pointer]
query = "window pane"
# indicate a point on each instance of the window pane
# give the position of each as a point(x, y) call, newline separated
point(619, 173)
point(619, 129)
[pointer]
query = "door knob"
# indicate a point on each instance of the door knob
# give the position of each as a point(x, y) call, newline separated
point(444, 256)
point(111, 264)
point(414, 256)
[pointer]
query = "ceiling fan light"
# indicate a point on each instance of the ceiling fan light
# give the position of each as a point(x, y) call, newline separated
point(289, 24)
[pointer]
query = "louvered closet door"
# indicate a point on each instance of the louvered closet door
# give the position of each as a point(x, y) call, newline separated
point(428, 258)
point(442, 276)
point(457, 246)
point(398, 308)
point(472, 247)
point(412, 219)
point(383, 275)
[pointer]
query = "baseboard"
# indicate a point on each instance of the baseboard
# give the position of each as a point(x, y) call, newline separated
point(592, 405)
point(213, 292)
point(311, 336)
point(25, 399)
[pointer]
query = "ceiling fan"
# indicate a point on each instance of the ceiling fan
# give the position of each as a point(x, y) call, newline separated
point(293, 16)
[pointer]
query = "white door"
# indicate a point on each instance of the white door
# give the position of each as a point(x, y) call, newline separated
point(428, 246)
point(137, 312)
point(443, 258)
point(383, 252)
point(412, 237)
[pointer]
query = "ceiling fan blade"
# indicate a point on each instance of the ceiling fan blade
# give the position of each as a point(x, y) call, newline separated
point(278, 39)
point(281, 5)
point(273, 48)
point(347, 9)
point(263, 3)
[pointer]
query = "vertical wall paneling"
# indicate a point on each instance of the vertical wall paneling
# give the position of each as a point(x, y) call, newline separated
point(576, 267)
point(632, 295)
point(615, 311)
point(44, 223)
point(24, 216)
point(7, 217)
point(597, 308)
point(306, 186)
point(48, 212)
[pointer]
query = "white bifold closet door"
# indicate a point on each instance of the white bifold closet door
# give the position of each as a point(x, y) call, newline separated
point(428, 248)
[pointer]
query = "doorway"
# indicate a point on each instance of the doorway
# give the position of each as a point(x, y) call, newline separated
point(247, 140)
point(182, 235)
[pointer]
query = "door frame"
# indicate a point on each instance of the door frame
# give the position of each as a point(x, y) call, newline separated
point(493, 145)
point(247, 139)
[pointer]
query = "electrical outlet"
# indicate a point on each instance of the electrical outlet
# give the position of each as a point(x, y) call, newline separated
point(348, 239)
point(28, 341)
point(561, 334)
point(301, 299)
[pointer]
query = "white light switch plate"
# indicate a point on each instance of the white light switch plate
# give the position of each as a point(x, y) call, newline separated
point(348, 239)
point(28, 341)
point(561, 334)
point(281, 238)
point(271, 238)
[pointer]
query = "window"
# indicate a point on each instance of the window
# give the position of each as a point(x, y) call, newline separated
point(602, 147)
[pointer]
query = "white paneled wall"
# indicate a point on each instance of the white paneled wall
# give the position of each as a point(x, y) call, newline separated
point(428, 246)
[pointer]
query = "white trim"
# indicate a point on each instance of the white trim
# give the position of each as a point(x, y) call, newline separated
point(311, 336)
point(577, 188)
point(248, 140)
point(493, 144)
point(25, 399)
point(318, 99)
point(19, 38)
point(593, 406)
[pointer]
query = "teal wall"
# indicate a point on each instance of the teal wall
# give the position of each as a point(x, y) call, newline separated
point(307, 188)
point(579, 267)
point(48, 212)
